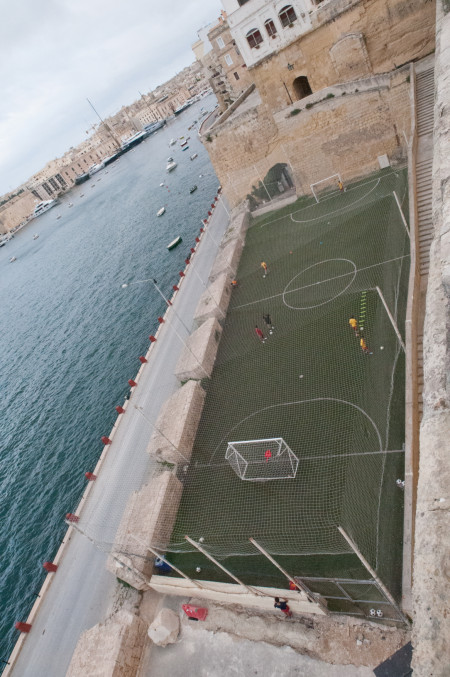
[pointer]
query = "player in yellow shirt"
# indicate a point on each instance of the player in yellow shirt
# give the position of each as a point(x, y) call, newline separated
point(265, 268)
point(364, 347)
point(354, 325)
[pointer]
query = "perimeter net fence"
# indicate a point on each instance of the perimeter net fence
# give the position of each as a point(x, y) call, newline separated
point(308, 381)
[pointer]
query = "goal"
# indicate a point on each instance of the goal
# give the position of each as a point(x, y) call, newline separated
point(326, 187)
point(262, 460)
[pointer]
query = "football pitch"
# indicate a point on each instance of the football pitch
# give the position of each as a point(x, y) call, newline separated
point(339, 409)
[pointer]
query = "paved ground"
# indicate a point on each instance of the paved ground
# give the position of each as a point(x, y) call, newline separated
point(81, 590)
point(203, 653)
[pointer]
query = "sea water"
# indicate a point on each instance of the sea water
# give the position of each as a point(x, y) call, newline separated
point(70, 337)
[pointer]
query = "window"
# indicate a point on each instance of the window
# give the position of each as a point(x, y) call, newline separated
point(254, 38)
point(270, 28)
point(220, 42)
point(236, 75)
point(287, 16)
point(228, 60)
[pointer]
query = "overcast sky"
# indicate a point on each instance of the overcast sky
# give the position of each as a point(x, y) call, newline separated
point(55, 53)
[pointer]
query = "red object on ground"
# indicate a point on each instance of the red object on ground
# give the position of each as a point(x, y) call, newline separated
point(205, 221)
point(142, 359)
point(50, 567)
point(192, 250)
point(197, 239)
point(106, 440)
point(90, 476)
point(202, 230)
point(292, 586)
point(187, 261)
point(216, 199)
point(181, 274)
point(175, 288)
point(70, 517)
point(120, 410)
point(267, 455)
point(23, 627)
point(131, 383)
point(199, 613)
point(152, 339)
point(212, 205)
point(160, 320)
point(209, 214)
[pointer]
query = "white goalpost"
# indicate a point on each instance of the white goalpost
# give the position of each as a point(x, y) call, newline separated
point(262, 460)
point(326, 187)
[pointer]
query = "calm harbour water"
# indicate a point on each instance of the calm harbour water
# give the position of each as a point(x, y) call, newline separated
point(71, 336)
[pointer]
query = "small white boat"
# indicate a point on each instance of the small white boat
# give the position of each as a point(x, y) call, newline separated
point(35, 236)
point(96, 168)
point(82, 195)
point(12, 259)
point(172, 142)
point(170, 159)
point(161, 211)
point(174, 243)
point(171, 166)
point(58, 217)
point(70, 204)
point(161, 185)
point(194, 156)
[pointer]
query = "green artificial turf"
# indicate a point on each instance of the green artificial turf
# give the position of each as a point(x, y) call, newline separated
point(310, 384)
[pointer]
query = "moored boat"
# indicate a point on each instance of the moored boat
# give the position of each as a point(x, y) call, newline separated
point(193, 189)
point(171, 166)
point(174, 243)
point(161, 211)
point(194, 156)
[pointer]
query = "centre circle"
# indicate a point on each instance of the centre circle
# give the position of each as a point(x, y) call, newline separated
point(319, 284)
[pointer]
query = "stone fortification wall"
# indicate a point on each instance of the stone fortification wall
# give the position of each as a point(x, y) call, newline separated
point(176, 425)
point(214, 300)
point(348, 40)
point(148, 519)
point(227, 259)
point(16, 210)
point(344, 130)
point(199, 354)
point(431, 574)
point(110, 649)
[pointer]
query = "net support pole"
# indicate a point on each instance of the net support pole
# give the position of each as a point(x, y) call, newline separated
point(401, 213)
point(394, 325)
point(373, 574)
point(252, 591)
point(172, 566)
point(299, 585)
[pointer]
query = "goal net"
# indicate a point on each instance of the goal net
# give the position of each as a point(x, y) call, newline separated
point(326, 187)
point(262, 460)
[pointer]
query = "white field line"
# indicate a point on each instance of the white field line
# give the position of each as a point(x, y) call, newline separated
point(280, 218)
point(330, 279)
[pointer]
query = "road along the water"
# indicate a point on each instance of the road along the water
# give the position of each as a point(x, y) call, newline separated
point(82, 587)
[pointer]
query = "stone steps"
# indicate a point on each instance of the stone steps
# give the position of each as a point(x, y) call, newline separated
point(424, 186)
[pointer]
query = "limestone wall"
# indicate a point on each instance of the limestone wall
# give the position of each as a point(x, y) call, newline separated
point(214, 300)
point(110, 649)
point(344, 129)
point(148, 519)
point(16, 210)
point(227, 259)
point(431, 575)
point(348, 40)
point(176, 425)
point(198, 356)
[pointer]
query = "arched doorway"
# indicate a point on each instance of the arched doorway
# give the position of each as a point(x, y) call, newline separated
point(276, 182)
point(301, 87)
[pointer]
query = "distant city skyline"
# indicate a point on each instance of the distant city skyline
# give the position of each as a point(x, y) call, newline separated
point(56, 53)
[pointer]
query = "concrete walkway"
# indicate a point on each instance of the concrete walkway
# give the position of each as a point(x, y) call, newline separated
point(203, 653)
point(80, 592)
